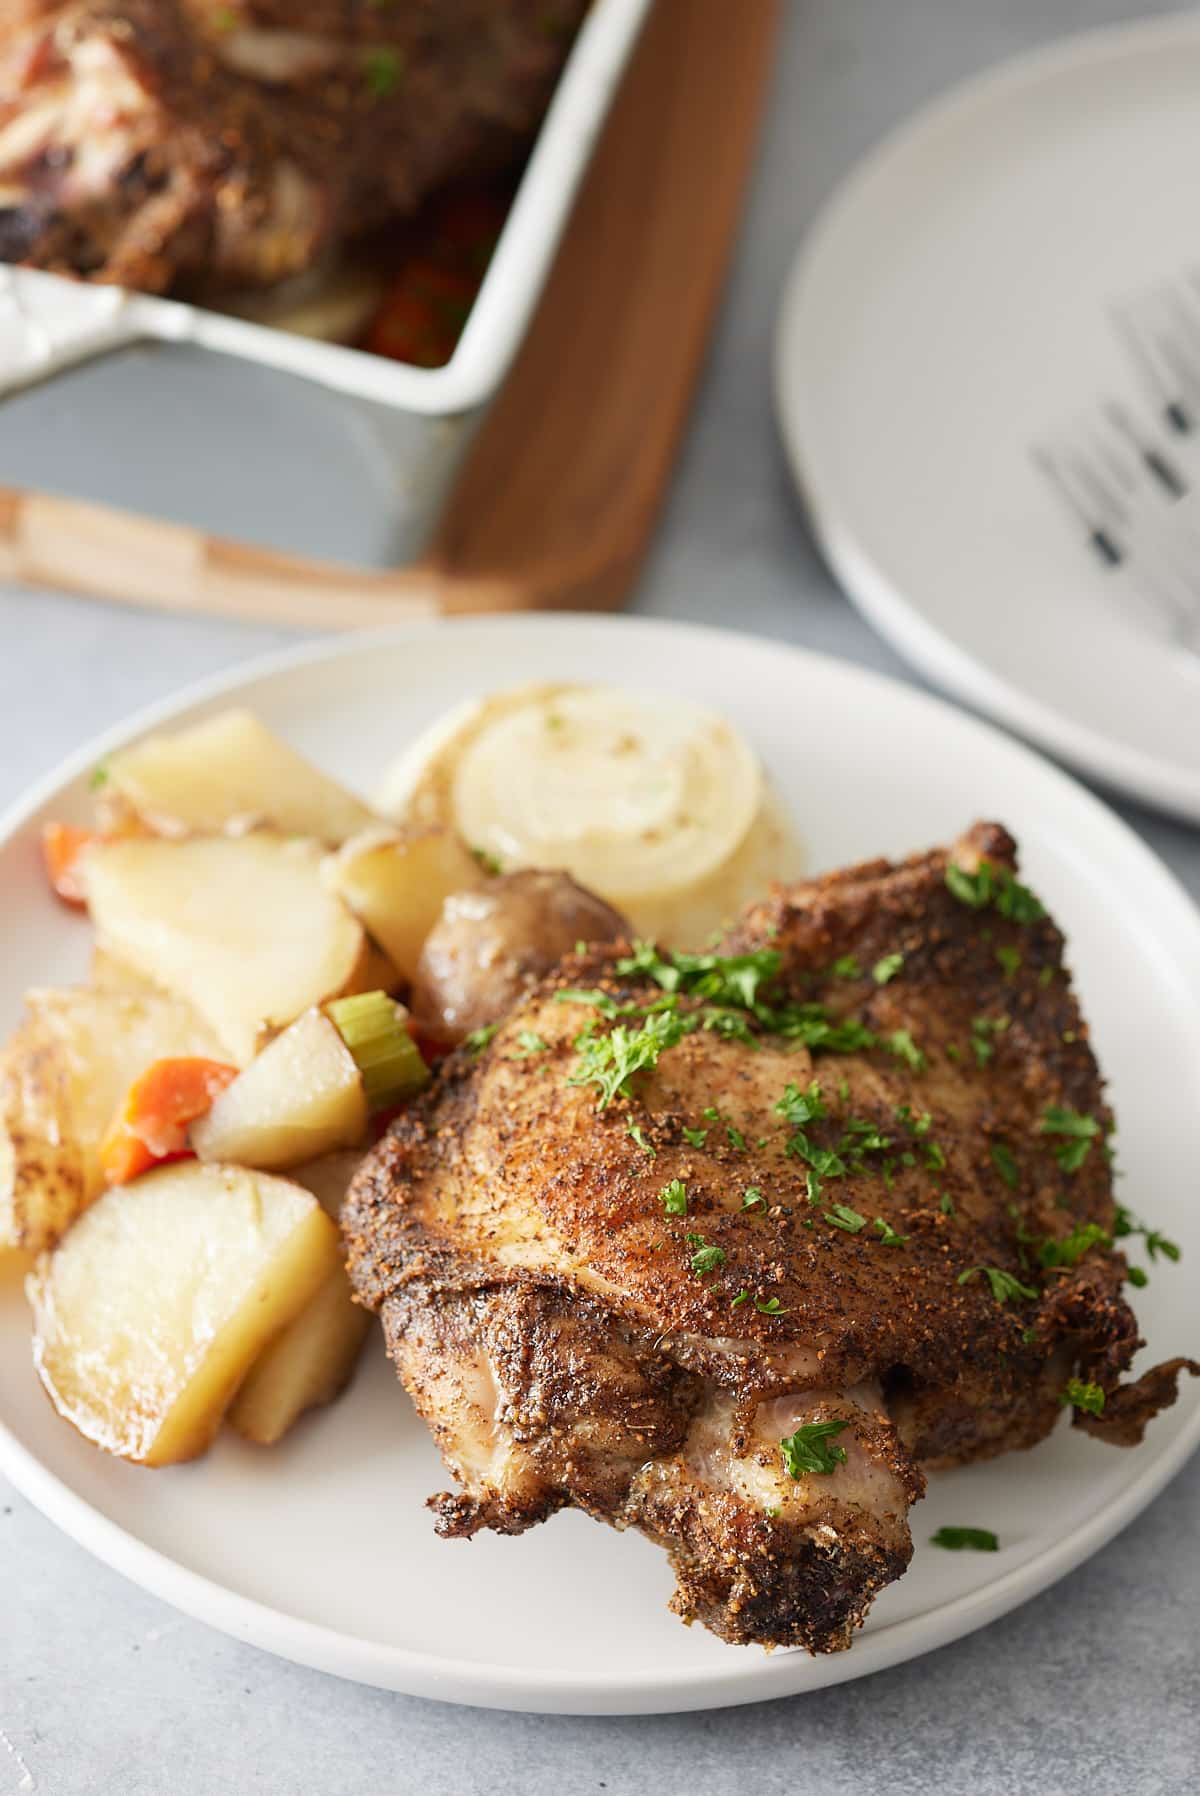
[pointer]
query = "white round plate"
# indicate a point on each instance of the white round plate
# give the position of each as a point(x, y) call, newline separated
point(989, 380)
point(321, 1549)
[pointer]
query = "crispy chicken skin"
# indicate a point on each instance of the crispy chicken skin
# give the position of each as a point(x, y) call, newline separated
point(168, 144)
point(544, 1308)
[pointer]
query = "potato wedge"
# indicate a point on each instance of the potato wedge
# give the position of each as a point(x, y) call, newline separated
point(62, 1075)
point(309, 1364)
point(396, 881)
point(312, 1361)
point(149, 1313)
point(226, 775)
point(242, 927)
point(301, 1097)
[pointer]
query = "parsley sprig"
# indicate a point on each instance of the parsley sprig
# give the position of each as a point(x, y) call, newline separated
point(1084, 1396)
point(705, 1258)
point(807, 1451)
point(610, 1061)
point(673, 1198)
point(1070, 1249)
point(977, 1540)
point(1125, 1225)
point(995, 886)
point(1080, 1132)
point(1004, 1285)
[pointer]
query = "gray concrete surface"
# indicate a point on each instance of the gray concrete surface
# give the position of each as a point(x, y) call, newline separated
point(1091, 1690)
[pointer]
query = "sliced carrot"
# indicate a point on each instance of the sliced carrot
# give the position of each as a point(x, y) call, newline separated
point(151, 1124)
point(422, 315)
point(62, 850)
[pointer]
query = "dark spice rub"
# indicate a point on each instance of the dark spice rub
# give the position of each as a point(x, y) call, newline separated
point(168, 144)
point(753, 1237)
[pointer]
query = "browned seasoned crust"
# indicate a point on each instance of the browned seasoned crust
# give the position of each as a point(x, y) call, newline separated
point(506, 1192)
point(225, 178)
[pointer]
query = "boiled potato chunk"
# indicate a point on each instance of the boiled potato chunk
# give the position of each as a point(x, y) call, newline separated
point(242, 927)
point(396, 882)
point(310, 1363)
point(62, 1075)
point(301, 1097)
point(149, 1313)
point(227, 775)
point(312, 1360)
point(109, 974)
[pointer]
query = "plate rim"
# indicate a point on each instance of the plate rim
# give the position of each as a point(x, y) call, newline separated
point(743, 1679)
point(1151, 778)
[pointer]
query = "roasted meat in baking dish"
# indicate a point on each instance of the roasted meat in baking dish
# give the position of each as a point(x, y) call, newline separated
point(161, 144)
point(733, 1247)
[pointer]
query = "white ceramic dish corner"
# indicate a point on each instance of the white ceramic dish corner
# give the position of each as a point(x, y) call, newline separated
point(209, 391)
point(321, 1550)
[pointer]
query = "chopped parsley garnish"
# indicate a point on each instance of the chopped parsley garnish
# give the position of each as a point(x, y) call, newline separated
point(917, 1122)
point(1010, 961)
point(772, 1307)
point(732, 986)
point(1006, 1166)
point(735, 1137)
point(953, 1051)
point(705, 1259)
point(946, 1204)
point(887, 1234)
point(901, 1044)
point(711, 1114)
point(1155, 1243)
point(695, 1137)
point(99, 777)
point(843, 1217)
point(528, 1044)
point(976, 1540)
point(886, 968)
point(730, 979)
point(1004, 1285)
point(638, 1134)
point(982, 1030)
point(1046, 977)
point(1088, 1397)
point(935, 1159)
point(489, 862)
point(594, 997)
point(812, 1186)
point(751, 1196)
point(1080, 1131)
point(996, 886)
point(673, 1198)
point(1071, 1249)
point(1137, 1277)
point(610, 1061)
point(807, 1450)
point(846, 967)
point(799, 1107)
point(478, 1039)
point(383, 67)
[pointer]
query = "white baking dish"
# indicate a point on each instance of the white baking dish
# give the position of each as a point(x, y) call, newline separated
point(181, 413)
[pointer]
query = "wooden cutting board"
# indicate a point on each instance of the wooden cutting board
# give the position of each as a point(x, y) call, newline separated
point(557, 500)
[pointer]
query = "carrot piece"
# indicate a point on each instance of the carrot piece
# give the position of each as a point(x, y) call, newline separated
point(422, 315)
point(63, 846)
point(150, 1126)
